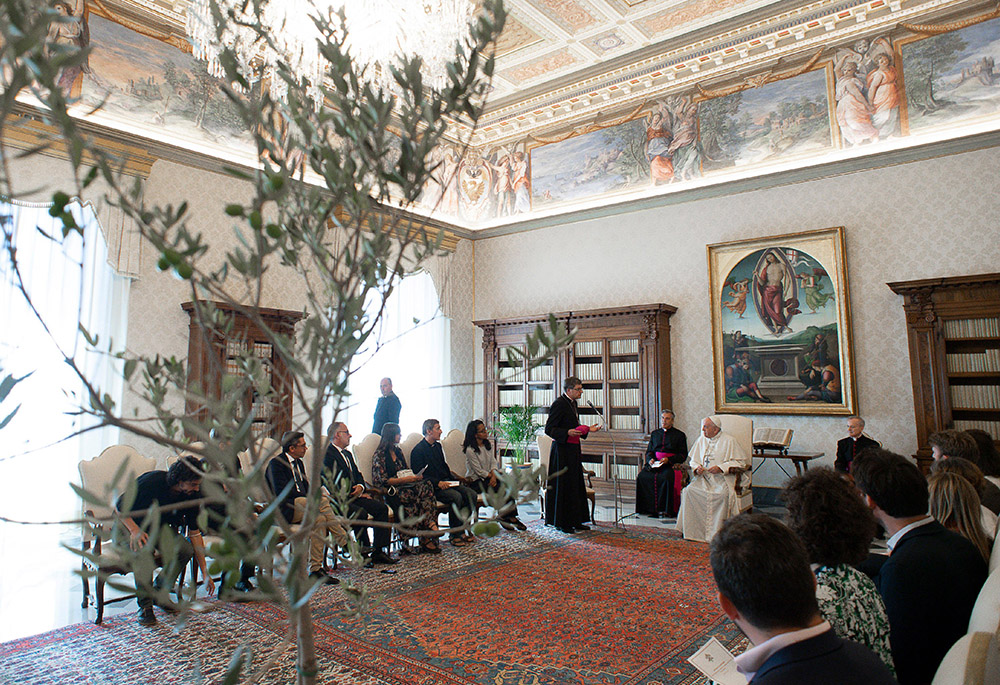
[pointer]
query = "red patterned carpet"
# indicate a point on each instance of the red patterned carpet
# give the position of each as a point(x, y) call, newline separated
point(536, 607)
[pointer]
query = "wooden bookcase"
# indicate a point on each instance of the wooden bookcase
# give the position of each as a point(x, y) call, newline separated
point(621, 354)
point(213, 354)
point(953, 330)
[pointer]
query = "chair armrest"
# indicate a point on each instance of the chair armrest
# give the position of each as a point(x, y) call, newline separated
point(738, 471)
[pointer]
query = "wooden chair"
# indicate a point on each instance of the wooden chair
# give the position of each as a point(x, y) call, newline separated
point(98, 476)
point(740, 428)
point(544, 444)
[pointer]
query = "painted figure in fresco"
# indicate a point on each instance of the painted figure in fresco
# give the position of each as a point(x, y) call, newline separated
point(883, 95)
point(685, 150)
point(771, 279)
point(816, 297)
point(854, 113)
point(658, 140)
point(738, 291)
point(475, 184)
point(504, 186)
point(522, 184)
point(70, 34)
point(822, 382)
point(740, 381)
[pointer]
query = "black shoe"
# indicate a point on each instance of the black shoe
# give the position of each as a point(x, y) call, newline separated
point(516, 522)
point(244, 586)
point(567, 530)
point(369, 564)
point(506, 525)
point(380, 557)
point(582, 526)
point(146, 616)
point(324, 578)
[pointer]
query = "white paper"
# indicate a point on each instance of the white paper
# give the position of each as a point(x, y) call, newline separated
point(717, 663)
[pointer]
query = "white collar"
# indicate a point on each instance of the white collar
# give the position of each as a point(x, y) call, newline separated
point(750, 661)
point(894, 540)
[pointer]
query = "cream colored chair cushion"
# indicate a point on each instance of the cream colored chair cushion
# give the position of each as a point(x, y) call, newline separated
point(740, 428)
point(973, 660)
point(363, 453)
point(408, 443)
point(97, 476)
point(986, 611)
point(453, 455)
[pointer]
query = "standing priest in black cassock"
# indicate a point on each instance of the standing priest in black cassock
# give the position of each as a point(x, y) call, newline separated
point(658, 486)
point(566, 493)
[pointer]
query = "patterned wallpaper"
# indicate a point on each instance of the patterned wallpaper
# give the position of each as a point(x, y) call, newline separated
point(919, 220)
point(158, 325)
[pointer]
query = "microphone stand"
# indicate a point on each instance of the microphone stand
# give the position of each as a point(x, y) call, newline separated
point(619, 517)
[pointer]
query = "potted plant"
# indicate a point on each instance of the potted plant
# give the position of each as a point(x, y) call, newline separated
point(517, 427)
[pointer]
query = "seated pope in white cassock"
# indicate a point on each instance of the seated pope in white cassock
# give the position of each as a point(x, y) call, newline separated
point(710, 498)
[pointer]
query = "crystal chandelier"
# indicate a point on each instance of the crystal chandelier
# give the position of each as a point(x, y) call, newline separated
point(379, 32)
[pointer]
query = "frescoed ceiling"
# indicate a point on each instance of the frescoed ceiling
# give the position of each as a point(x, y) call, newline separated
point(561, 62)
point(570, 68)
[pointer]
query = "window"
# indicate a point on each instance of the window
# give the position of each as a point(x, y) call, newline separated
point(414, 350)
point(70, 284)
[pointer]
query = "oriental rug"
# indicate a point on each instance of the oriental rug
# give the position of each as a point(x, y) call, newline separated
point(526, 609)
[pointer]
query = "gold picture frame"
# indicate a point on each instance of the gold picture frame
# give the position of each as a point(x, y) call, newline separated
point(781, 325)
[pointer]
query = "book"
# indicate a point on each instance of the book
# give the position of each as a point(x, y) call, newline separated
point(772, 437)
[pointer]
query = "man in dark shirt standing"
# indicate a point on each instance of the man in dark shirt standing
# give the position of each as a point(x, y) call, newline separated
point(179, 484)
point(460, 500)
point(933, 575)
point(388, 407)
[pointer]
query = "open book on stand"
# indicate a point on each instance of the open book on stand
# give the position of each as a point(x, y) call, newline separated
point(772, 439)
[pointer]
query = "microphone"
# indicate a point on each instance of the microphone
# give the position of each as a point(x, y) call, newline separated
point(599, 414)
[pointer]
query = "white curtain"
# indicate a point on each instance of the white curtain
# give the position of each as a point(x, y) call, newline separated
point(413, 341)
point(71, 284)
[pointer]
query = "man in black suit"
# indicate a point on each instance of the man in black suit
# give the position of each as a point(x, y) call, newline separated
point(932, 577)
point(388, 407)
point(566, 493)
point(768, 589)
point(657, 487)
point(340, 463)
point(849, 447)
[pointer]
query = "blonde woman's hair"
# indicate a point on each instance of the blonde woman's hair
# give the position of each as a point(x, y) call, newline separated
point(955, 505)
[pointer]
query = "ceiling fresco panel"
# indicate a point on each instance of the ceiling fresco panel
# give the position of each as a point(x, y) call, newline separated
point(570, 15)
point(516, 36)
point(668, 22)
point(541, 66)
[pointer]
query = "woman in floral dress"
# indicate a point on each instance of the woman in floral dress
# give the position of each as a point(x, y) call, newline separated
point(407, 491)
point(829, 516)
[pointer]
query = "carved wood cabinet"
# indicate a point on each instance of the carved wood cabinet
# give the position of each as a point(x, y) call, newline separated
point(621, 354)
point(953, 331)
point(213, 354)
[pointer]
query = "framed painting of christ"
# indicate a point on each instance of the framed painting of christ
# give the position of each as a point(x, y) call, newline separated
point(781, 325)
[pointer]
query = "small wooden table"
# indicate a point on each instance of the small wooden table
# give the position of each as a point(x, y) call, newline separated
point(800, 459)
